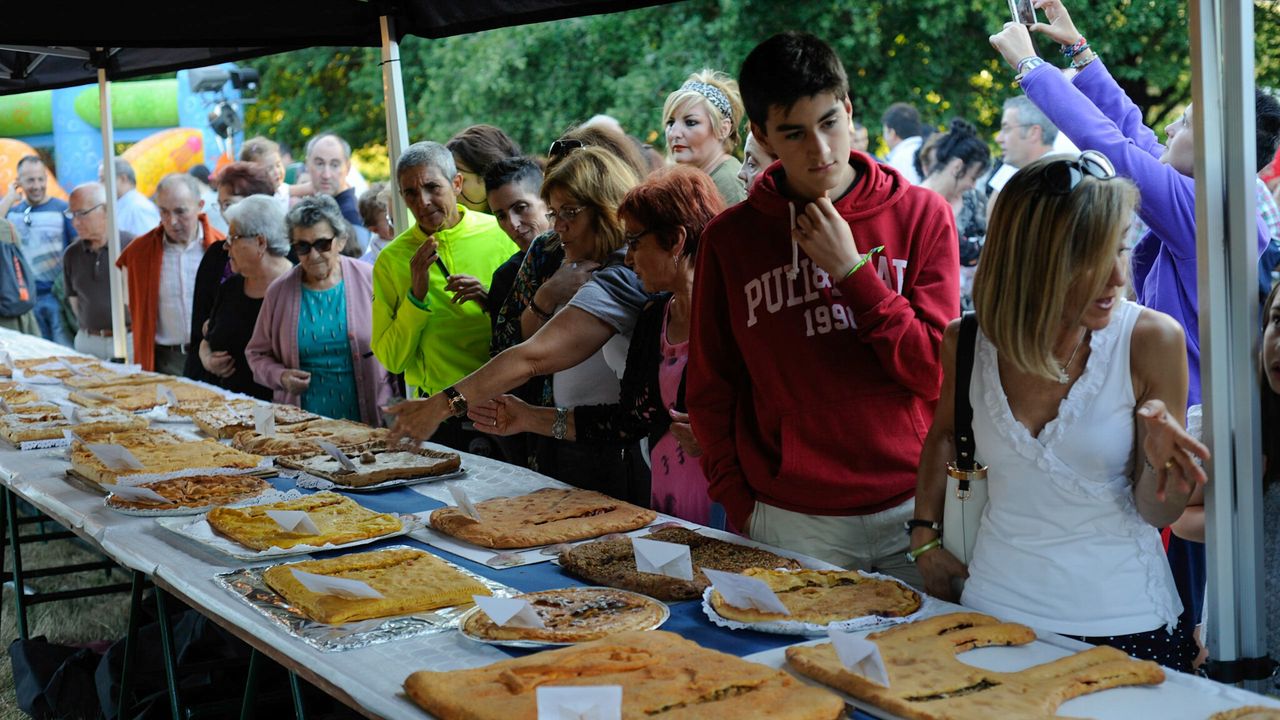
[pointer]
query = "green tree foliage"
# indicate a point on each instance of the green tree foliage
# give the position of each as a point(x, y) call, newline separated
point(535, 81)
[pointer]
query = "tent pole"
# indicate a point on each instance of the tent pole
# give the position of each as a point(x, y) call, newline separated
point(119, 339)
point(397, 119)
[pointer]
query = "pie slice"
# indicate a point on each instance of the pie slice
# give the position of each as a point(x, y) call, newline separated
point(192, 457)
point(612, 562)
point(20, 428)
point(339, 519)
point(663, 677)
point(236, 416)
point(299, 438)
point(137, 398)
point(927, 682)
point(824, 596)
point(18, 395)
point(377, 466)
point(35, 411)
point(30, 363)
point(542, 517)
point(575, 615)
point(198, 491)
point(91, 378)
point(409, 580)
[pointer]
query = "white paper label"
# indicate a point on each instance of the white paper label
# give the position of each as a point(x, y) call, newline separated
point(74, 370)
point(6, 358)
point(97, 396)
point(71, 435)
point(46, 367)
point(337, 454)
point(4, 406)
point(860, 656)
point(68, 412)
point(264, 420)
point(580, 702)
point(115, 457)
point(464, 503)
point(165, 395)
point(342, 587)
point(139, 494)
point(294, 521)
point(745, 592)
point(511, 612)
point(663, 558)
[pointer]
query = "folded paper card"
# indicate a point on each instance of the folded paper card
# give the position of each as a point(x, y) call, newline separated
point(860, 656)
point(464, 503)
point(510, 612)
point(115, 457)
point(580, 702)
point(663, 558)
point(165, 395)
point(336, 454)
point(139, 494)
point(341, 587)
point(264, 420)
point(294, 521)
point(745, 592)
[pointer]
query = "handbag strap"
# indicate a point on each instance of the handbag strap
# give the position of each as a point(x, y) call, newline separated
point(965, 448)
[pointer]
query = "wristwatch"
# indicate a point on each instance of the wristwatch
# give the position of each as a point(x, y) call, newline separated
point(917, 523)
point(457, 403)
point(560, 427)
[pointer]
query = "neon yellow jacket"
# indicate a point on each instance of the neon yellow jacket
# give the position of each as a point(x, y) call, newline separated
point(433, 341)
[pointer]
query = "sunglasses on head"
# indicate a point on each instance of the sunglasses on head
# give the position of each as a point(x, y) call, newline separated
point(303, 248)
point(1061, 177)
point(560, 148)
point(26, 215)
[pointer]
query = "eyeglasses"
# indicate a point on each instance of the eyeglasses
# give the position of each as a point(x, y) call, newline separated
point(1007, 128)
point(303, 248)
point(1062, 176)
point(560, 148)
point(237, 236)
point(74, 214)
point(567, 213)
point(26, 216)
point(633, 240)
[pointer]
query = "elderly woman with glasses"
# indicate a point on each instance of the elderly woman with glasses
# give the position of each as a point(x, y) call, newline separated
point(258, 247)
point(311, 345)
point(578, 332)
point(1076, 398)
point(702, 119)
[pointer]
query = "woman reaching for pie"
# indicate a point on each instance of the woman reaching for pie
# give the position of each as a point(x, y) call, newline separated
point(1077, 398)
point(664, 218)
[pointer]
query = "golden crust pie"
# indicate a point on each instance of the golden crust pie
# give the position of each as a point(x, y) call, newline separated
point(136, 398)
point(19, 428)
point(1249, 712)
point(612, 562)
point(29, 363)
point(574, 615)
point(542, 517)
point(160, 456)
point(409, 580)
point(236, 416)
point(17, 395)
point(663, 677)
point(197, 491)
point(340, 520)
point(92, 377)
point(824, 596)
point(377, 466)
point(927, 682)
point(299, 438)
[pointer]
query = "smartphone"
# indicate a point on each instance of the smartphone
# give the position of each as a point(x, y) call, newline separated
point(1023, 12)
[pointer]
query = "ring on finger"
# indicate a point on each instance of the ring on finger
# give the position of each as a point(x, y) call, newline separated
point(1168, 464)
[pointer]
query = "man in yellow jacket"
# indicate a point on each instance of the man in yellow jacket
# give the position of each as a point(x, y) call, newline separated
point(428, 301)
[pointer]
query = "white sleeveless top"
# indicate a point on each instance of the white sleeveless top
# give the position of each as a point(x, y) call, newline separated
point(1061, 546)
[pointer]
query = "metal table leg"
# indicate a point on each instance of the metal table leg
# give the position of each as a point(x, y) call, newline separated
point(166, 647)
point(130, 642)
point(19, 589)
point(250, 686)
point(295, 686)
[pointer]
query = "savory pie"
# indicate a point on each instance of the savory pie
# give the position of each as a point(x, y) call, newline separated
point(236, 416)
point(35, 411)
point(159, 457)
point(198, 491)
point(542, 517)
point(30, 363)
point(136, 398)
point(927, 682)
point(574, 615)
point(1249, 712)
point(299, 438)
point(20, 428)
point(663, 677)
point(339, 519)
point(17, 395)
point(409, 581)
point(93, 377)
point(377, 466)
point(824, 596)
point(612, 562)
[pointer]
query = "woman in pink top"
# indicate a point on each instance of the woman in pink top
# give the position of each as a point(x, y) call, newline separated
point(664, 217)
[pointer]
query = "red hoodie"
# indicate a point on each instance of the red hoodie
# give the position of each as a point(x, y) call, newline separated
point(815, 398)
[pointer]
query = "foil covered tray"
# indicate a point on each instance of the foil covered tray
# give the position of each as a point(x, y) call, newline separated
point(312, 482)
point(266, 496)
point(247, 584)
point(197, 530)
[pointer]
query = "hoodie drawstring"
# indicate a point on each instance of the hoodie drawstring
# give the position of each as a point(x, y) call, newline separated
point(794, 271)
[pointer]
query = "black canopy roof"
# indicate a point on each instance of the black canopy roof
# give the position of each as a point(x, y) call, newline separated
point(42, 47)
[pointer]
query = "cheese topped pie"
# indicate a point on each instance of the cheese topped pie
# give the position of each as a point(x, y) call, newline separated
point(197, 491)
point(189, 456)
point(663, 677)
point(824, 596)
point(574, 615)
point(339, 519)
point(408, 580)
point(377, 466)
point(542, 517)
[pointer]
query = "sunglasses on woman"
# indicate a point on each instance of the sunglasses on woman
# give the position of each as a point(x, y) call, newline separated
point(303, 248)
point(560, 148)
point(1063, 176)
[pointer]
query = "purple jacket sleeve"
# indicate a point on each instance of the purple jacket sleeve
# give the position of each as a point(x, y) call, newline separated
point(1096, 83)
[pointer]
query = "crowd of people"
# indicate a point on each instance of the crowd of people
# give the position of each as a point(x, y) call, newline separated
point(758, 332)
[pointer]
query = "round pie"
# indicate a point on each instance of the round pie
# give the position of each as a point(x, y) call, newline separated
point(196, 493)
point(824, 596)
point(573, 615)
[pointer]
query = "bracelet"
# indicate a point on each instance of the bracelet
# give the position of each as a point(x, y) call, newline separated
point(865, 259)
point(917, 523)
point(560, 427)
point(1085, 57)
point(933, 544)
point(541, 314)
point(1075, 48)
point(1028, 62)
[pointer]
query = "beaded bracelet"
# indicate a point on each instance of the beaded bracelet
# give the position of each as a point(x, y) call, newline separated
point(865, 259)
point(1083, 59)
point(1075, 48)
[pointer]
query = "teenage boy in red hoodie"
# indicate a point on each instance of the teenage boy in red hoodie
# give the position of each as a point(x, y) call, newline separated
point(818, 314)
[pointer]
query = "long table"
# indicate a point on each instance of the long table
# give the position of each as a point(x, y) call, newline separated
point(368, 679)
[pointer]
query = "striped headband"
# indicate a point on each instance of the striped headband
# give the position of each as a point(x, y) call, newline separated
point(713, 94)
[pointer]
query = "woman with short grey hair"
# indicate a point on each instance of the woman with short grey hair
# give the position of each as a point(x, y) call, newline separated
point(312, 343)
point(257, 245)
